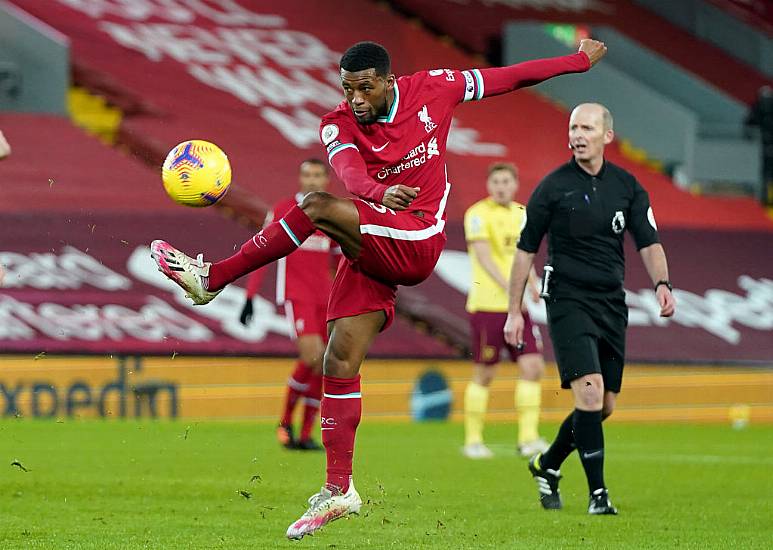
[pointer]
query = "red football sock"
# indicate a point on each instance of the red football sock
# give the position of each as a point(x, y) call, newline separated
point(341, 411)
point(276, 240)
point(312, 399)
point(297, 385)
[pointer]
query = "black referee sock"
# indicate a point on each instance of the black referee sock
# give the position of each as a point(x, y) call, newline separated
point(589, 438)
point(561, 447)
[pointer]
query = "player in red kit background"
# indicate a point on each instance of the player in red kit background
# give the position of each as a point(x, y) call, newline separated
point(303, 282)
point(387, 143)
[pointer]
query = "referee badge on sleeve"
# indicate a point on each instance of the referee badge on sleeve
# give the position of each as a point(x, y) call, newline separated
point(618, 222)
point(651, 218)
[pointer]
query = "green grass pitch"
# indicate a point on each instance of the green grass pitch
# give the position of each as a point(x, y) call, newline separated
point(128, 485)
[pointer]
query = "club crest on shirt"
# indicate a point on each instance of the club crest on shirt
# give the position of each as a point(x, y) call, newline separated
point(426, 119)
point(618, 222)
point(329, 133)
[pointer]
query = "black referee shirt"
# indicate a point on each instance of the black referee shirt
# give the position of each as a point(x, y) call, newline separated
point(585, 217)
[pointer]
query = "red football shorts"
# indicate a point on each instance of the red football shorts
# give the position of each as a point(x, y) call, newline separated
point(398, 248)
point(488, 337)
point(306, 318)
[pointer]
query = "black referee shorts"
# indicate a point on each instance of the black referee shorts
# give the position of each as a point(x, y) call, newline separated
point(588, 334)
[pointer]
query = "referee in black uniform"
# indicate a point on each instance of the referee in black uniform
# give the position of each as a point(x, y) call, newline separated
point(585, 206)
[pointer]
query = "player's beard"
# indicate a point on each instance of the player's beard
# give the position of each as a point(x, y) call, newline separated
point(369, 119)
point(374, 114)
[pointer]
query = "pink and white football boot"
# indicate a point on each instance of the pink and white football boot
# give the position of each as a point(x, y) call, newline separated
point(189, 273)
point(325, 507)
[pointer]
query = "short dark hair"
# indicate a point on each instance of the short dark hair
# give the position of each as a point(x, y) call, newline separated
point(316, 162)
point(366, 55)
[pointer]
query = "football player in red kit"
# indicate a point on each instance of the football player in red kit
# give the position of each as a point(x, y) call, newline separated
point(303, 282)
point(387, 143)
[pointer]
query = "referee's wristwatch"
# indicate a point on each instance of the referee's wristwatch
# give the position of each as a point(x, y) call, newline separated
point(664, 282)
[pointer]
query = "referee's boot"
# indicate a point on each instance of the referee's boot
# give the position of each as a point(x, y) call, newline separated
point(547, 484)
point(600, 505)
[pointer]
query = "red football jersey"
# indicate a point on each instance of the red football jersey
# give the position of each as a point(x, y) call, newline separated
point(306, 274)
point(408, 146)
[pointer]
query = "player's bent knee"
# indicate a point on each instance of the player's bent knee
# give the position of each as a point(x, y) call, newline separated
point(317, 204)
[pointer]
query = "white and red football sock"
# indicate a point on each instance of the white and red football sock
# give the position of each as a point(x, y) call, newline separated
point(341, 411)
point(297, 386)
point(312, 400)
point(276, 240)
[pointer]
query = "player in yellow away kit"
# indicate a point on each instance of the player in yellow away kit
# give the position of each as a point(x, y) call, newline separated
point(492, 227)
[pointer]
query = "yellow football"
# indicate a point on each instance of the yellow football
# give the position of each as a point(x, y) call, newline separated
point(196, 173)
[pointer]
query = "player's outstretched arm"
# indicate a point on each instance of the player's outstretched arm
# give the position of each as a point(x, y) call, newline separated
point(594, 49)
point(500, 80)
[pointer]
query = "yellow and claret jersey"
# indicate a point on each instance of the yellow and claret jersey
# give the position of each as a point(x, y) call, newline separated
point(500, 226)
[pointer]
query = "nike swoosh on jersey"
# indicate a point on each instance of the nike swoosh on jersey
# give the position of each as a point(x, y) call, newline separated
point(379, 149)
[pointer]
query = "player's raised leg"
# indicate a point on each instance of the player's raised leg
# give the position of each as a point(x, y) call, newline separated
point(202, 280)
point(341, 409)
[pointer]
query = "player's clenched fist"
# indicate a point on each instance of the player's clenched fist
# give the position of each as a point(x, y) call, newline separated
point(594, 49)
point(399, 197)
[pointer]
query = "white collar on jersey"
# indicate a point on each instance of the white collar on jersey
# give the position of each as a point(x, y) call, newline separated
point(393, 109)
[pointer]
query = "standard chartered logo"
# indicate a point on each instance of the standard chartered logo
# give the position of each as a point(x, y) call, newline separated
point(416, 157)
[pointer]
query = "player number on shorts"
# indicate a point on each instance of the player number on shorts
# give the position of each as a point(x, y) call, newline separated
point(380, 208)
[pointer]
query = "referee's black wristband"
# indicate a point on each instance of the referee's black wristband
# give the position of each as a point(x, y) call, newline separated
point(664, 282)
